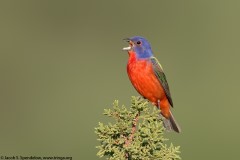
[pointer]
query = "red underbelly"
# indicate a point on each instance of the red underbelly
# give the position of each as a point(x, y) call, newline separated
point(145, 82)
point(142, 76)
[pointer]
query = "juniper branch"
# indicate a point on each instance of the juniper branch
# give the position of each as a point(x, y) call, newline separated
point(132, 139)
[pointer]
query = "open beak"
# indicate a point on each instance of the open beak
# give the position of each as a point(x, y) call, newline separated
point(127, 48)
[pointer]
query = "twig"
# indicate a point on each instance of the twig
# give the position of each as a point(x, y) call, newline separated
point(134, 128)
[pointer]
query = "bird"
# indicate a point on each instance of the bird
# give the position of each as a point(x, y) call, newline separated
point(147, 76)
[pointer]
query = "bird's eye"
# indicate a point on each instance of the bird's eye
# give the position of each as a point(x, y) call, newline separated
point(138, 42)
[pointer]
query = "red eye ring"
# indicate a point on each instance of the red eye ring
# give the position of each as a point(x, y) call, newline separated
point(139, 42)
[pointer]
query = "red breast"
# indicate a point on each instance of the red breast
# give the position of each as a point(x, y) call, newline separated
point(142, 77)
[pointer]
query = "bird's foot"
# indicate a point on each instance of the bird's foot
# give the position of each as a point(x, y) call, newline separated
point(158, 103)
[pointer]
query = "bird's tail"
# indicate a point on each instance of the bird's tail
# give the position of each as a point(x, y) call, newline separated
point(171, 124)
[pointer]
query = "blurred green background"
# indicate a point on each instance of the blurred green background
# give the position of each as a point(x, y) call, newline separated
point(61, 64)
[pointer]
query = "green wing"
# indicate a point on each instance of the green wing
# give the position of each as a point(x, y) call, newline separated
point(158, 70)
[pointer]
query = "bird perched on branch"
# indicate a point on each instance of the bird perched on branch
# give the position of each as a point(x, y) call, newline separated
point(147, 76)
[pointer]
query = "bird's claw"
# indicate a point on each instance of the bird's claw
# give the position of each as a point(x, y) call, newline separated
point(158, 105)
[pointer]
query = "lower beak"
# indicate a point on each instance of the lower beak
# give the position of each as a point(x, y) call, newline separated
point(126, 48)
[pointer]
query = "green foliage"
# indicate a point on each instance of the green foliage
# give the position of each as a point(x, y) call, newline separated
point(120, 141)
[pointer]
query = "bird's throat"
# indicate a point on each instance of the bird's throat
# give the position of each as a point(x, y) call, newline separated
point(132, 56)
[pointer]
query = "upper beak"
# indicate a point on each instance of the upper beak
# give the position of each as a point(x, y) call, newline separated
point(126, 39)
point(127, 48)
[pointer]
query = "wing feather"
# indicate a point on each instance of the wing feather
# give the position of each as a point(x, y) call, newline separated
point(158, 70)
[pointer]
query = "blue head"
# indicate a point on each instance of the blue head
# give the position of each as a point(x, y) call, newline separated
point(140, 46)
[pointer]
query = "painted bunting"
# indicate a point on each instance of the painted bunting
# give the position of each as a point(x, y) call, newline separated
point(147, 76)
